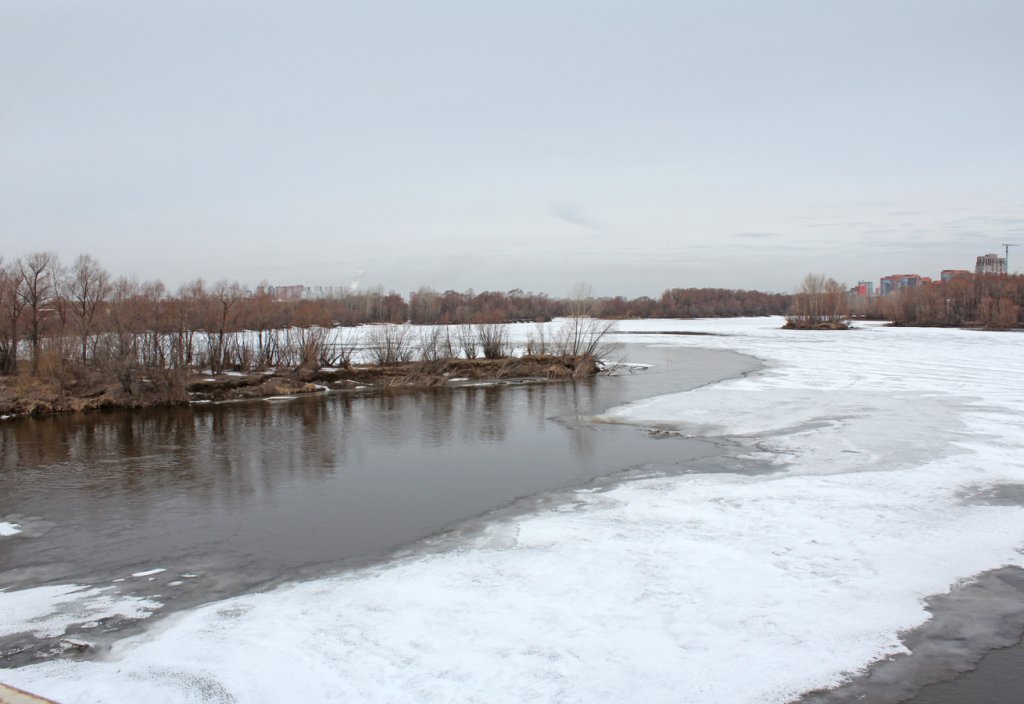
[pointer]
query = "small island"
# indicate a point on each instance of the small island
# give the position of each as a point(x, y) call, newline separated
point(363, 359)
point(820, 304)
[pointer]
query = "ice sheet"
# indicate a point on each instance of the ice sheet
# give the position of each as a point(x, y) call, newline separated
point(690, 588)
point(48, 611)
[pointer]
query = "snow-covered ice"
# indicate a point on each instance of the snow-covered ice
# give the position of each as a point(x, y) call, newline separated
point(47, 611)
point(687, 588)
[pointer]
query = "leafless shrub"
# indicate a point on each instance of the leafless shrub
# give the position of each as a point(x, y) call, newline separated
point(341, 345)
point(269, 349)
point(432, 344)
point(493, 340)
point(311, 345)
point(449, 348)
point(537, 344)
point(467, 341)
point(239, 353)
point(583, 337)
point(436, 344)
point(389, 343)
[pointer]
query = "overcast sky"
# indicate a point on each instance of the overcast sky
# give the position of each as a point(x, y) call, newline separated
point(490, 144)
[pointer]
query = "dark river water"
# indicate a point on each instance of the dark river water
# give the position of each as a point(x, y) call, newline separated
point(243, 494)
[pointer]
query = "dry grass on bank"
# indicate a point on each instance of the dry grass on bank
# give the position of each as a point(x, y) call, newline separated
point(27, 395)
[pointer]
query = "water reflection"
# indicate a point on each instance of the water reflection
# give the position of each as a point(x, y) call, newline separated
point(272, 486)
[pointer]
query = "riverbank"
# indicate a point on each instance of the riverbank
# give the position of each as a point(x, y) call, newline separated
point(27, 396)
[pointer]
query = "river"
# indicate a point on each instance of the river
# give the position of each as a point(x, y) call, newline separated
point(229, 498)
point(186, 506)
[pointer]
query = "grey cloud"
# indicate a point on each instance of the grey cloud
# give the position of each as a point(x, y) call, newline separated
point(574, 216)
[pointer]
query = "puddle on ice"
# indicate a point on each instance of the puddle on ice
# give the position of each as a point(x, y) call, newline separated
point(1003, 494)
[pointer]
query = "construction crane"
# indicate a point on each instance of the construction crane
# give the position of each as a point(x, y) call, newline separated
point(1006, 248)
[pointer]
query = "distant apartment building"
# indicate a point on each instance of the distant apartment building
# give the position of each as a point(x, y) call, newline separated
point(303, 293)
point(898, 282)
point(287, 293)
point(321, 292)
point(864, 289)
point(950, 274)
point(990, 264)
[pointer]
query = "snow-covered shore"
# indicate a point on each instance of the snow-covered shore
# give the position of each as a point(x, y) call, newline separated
point(690, 588)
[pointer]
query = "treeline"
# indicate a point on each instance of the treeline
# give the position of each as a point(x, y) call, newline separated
point(452, 307)
point(66, 322)
point(989, 300)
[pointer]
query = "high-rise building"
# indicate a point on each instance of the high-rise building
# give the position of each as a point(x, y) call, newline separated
point(898, 282)
point(287, 293)
point(990, 264)
point(950, 274)
point(865, 289)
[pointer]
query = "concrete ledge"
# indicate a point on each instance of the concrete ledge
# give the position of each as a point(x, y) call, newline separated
point(10, 695)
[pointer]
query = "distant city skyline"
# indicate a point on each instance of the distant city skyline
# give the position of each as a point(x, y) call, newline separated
point(634, 146)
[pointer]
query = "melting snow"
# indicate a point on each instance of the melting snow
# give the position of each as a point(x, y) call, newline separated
point(47, 611)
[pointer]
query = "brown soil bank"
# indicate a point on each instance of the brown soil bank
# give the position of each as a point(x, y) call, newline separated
point(26, 396)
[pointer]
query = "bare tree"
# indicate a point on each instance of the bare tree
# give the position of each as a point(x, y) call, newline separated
point(38, 286)
point(190, 310)
point(88, 288)
point(260, 308)
point(12, 303)
point(580, 303)
point(225, 297)
point(59, 349)
point(120, 349)
point(583, 334)
point(820, 302)
point(583, 337)
point(152, 325)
